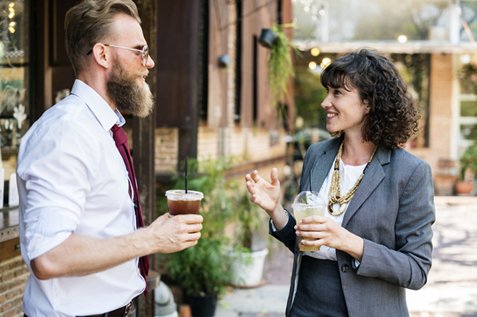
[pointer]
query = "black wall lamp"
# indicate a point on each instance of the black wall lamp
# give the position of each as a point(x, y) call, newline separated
point(224, 60)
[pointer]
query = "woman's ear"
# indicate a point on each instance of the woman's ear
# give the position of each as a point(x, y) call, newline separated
point(366, 105)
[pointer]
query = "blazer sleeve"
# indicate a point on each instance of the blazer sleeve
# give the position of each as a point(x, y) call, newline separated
point(408, 264)
point(287, 234)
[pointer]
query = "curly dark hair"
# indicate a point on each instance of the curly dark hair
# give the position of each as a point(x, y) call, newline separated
point(393, 117)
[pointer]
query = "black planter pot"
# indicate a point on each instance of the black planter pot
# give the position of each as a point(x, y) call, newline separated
point(202, 306)
point(267, 38)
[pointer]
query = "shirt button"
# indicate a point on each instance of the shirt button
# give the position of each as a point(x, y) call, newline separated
point(344, 268)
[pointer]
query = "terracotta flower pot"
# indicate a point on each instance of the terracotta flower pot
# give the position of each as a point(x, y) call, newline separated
point(464, 188)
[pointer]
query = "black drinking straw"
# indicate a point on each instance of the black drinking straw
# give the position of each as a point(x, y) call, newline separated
point(185, 174)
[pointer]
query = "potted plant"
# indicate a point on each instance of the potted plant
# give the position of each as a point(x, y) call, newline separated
point(280, 65)
point(249, 241)
point(203, 272)
point(468, 168)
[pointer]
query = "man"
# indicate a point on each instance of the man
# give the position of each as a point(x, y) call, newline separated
point(78, 206)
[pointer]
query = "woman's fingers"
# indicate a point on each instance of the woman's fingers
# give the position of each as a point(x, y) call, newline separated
point(274, 176)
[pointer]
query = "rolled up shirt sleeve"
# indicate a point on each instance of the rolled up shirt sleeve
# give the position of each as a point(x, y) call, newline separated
point(46, 229)
point(53, 182)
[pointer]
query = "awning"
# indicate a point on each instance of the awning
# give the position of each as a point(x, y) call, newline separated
point(411, 47)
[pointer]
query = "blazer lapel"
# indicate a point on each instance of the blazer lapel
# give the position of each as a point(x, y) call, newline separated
point(321, 165)
point(373, 176)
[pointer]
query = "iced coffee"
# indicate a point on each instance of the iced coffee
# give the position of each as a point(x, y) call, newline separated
point(181, 202)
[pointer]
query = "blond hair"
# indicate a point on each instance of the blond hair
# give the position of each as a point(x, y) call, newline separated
point(88, 23)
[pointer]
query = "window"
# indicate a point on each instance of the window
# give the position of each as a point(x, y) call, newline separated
point(14, 72)
point(468, 100)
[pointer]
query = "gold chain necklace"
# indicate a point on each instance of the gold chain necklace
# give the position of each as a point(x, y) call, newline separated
point(334, 197)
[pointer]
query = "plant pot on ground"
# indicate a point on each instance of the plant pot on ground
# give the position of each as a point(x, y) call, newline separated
point(249, 248)
point(203, 273)
point(465, 185)
point(202, 306)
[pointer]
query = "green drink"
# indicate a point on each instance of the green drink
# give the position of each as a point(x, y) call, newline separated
point(308, 204)
point(302, 211)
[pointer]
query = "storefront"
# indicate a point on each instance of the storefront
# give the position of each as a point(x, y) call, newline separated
point(15, 103)
point(35, 73)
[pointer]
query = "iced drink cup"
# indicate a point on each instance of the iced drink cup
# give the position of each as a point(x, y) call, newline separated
point(307, 204)
point(301, 211)
point(180, 202)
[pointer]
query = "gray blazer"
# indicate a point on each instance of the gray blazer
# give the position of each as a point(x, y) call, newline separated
point(392, 210)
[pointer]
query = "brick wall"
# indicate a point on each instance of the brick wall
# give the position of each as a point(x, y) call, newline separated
point(13, 276)
point(166, 152)
point(244, 144)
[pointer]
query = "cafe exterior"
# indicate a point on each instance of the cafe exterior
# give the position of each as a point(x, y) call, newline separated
point(209, 83)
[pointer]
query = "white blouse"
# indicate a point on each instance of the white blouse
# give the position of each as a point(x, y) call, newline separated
point(349, 174)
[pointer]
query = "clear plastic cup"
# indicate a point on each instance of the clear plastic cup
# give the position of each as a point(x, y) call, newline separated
point(180, 202)
point(307, 203)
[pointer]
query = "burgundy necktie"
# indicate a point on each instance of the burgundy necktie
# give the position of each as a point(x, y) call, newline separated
point(121, 139)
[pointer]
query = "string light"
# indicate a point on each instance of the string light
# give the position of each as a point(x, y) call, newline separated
point(402, 38)
point(315, 51)
point(325, 62)
point(11, 27)
point(11, 15)
point(322, 10)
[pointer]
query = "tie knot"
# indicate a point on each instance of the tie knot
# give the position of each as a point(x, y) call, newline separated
point(119, 135)
point(115, 128)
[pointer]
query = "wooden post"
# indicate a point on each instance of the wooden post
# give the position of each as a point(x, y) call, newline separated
point(143, 152)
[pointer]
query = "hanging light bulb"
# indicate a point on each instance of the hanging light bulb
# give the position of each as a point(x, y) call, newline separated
point(325, 62)
point(322, 10)
point(402, 38)
point(315, 51)
point(11, 10)
point(11, 27)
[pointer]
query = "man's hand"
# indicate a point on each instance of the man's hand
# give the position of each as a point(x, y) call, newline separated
point(174, 233)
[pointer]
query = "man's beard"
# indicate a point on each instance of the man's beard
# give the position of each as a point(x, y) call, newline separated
point(129, 96)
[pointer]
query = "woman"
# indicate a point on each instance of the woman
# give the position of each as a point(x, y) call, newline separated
point(376, 234)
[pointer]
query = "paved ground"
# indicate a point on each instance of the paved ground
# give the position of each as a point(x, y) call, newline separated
point(450, 292)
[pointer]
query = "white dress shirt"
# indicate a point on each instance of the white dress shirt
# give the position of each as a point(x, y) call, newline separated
point(71, 178)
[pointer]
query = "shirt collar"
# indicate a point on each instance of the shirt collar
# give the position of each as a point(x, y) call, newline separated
point(121, 120)
point(103, 112)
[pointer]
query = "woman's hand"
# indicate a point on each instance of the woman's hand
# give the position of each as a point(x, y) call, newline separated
point(263, 193)
point(320, 230)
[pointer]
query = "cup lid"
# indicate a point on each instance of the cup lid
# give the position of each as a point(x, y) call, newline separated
point(308, 198)
point(180, 194)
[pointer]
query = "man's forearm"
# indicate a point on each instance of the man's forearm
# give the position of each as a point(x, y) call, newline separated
point(81, 255)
